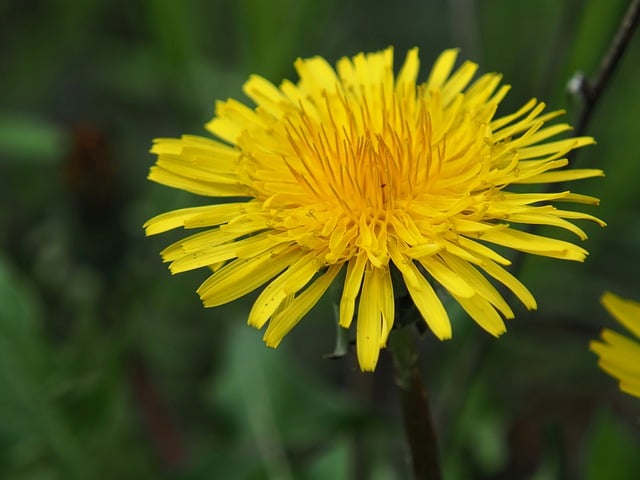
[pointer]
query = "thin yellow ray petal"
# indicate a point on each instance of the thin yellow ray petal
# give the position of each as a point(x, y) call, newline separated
point(246, 225)
point(290, 281)
point(579, 216)
point(316, 75)
point(406, 80)
point(511, 282)
point(553, 147)
point(615, 370)
point(477, 95)
point(626, 312)
point(547, 219)
point(500, 94)
point(530, 125)
point(174, 219)
point(631, 387)
point(483, 313)
point(622, 351)
point(369, 324)
point(265, 94)
point(195, 217)
point(459, 252)
point(424, 250)
point(387, 303)
point(447, 277)
point(232, 117)
point(193, 243)
point(529, 168)
point(199, 187)
point(479, 283)
point(223, 213)
point(194, 168)
point(463, 225)
point(424, 297)
point(624, 368)
point(196, 146)
point(507, 119)
point(352, 283)
point(579, 198)
point(548, 147)
point(167, 146)
point(458, 81)
point(441, 69)
point(243, 276)
point(512, 198)
point(536, 244)
point(561, 176)
point(209, 255)
point(283, 321)
point(482, 250)
point(206, 154)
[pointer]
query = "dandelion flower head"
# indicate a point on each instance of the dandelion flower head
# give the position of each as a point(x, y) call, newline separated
point(361, 171)
point(619, 356)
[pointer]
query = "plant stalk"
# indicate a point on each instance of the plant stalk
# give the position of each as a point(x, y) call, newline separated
point(416, 415)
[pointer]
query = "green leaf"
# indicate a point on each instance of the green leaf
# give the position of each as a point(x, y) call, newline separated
point(29, 140)
point(29, 424)
point(612, 450)
point(274, 407)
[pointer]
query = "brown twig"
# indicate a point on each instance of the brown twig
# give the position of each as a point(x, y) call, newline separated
point(591, 92)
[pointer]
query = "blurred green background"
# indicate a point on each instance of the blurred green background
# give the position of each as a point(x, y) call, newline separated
point(111, 369)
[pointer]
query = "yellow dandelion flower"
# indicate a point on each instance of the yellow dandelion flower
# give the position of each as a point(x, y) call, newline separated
point(619, 356)
point(354, 169)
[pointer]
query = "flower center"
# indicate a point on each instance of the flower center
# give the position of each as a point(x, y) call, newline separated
point(354, 173)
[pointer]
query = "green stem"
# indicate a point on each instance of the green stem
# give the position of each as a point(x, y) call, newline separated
point(416, 416)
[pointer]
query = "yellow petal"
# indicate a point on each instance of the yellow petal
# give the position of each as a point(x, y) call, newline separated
point(352, 283)
point(479, 283)
point(458, 81)
point(547, 219)
point(537, 244)
point(287, 318)
point(507, 119)
point(627, 312)
point(195, 217)
point(243, 276)
point(209, 255)
point(406, 80)
point(369, 324)
point(562, 176)
point(291, 281)
point(264, 94)
point(424, 297)
point(511, 282)
point(184, 181)
point(447, 277)
point(483, 313)
point(441, 69)
point(387, 303)
point(193, 243)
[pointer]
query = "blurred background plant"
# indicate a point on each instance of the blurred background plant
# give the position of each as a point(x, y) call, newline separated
point(109, 369)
